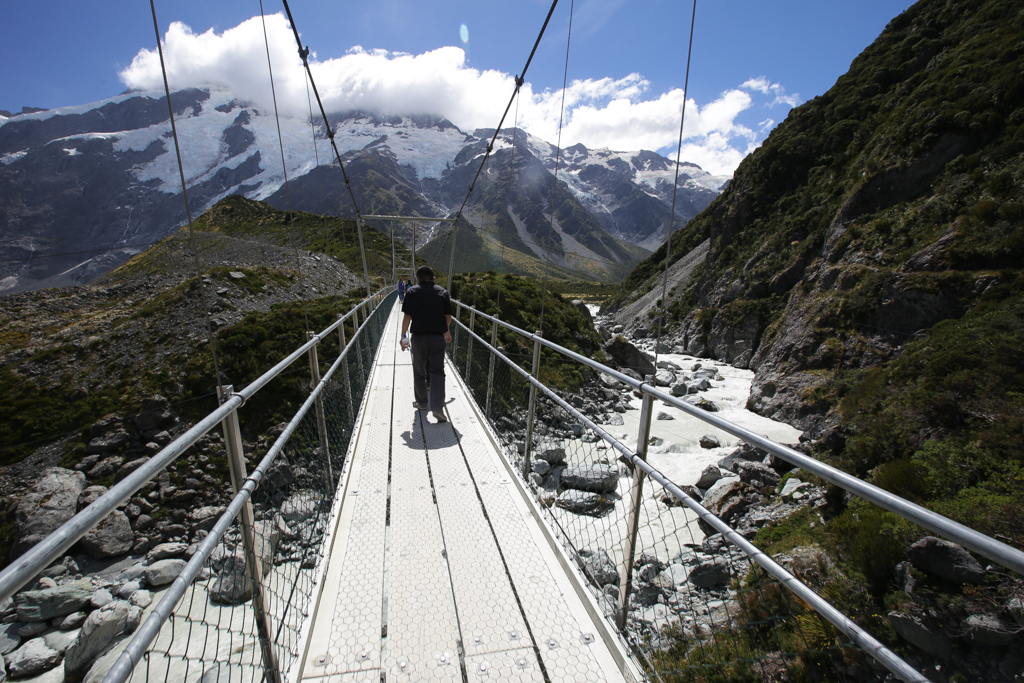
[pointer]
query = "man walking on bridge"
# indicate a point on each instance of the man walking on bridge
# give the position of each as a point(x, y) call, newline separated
point(428, 311)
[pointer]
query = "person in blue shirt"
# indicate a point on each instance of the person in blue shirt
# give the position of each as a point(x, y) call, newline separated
point(401, 290)
point(428, 314)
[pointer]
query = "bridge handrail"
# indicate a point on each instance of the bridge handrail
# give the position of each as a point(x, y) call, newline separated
point(148, 632)
point(847, 626)
point(995, 550)
point(19, 572)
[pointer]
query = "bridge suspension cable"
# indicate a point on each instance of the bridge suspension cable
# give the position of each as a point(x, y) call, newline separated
point(304, 54)
point(490, 146)
point(675, 187)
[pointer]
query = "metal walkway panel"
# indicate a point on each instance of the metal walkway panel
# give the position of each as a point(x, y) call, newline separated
point(347, 634)
point(570, 645)
point(422, 629)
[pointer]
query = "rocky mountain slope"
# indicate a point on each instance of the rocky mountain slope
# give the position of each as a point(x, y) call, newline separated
point(82, 189)
point(866, 262)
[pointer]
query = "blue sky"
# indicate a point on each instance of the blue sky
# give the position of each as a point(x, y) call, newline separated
point(67, 53)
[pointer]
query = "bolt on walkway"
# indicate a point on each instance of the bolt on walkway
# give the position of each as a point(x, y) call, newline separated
point(439, 569)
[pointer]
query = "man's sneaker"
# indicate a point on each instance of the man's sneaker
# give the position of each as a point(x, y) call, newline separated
point(419, 406)
point(440, 417)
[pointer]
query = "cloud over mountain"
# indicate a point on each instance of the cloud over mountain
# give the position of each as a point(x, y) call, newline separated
point(614, 113)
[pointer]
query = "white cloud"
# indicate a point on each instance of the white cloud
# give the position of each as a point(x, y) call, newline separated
point(617, 113)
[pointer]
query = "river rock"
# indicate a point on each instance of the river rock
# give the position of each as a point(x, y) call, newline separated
point(166, 551)
point(549, 451)
point(708, 477)
point(709, 441)
point(704, 404)
point(915, 631)
point(162, 572)
point(664, 378)
point(107, 443)
point(101, 628)
point(32, 629)
point(584, 502)
point(72, 621)
point(1015, 606)
point(52, 501)
point(43, 605)
point(744, 452)
point(662, 415)
point(141, 599)
point(792, 486)
point(710, 574)
point(595, 477)
point(100, 598)
point(151, 420)
point(90, 495)
point(626, 355)
point(946, 560)
point(106, 467)
point(129, 588)
point(34, 657)
point(130, 467)
point(757, 474)
point(680, 389)
point(60, 640)
point(9, 638)
point(111, 537)
point(232, 585)
point(541, 467)
point(599, 567)
point(206, 517)
point(988, 630)
point(727, 499)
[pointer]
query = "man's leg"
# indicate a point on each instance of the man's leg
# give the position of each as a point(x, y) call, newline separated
point(420, 354)
point(435, 366)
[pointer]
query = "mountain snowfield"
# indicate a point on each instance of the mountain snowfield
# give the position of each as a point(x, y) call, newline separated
point(84, 188)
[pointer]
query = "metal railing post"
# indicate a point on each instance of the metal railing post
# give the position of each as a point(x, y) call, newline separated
point(355, 328)
point(344, 369)
point(469, 346)
point(321, 422)
point(236, 465)
point(635, 501)
point(490, 370)
point(527, 451)
point(455, 335)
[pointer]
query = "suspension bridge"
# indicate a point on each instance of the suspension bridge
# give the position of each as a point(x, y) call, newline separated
point(371, 543)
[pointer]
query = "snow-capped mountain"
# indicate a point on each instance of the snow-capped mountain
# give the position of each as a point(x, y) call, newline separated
point(82, 189)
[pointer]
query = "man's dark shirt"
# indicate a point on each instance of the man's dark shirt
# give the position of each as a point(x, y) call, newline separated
point(428, 305)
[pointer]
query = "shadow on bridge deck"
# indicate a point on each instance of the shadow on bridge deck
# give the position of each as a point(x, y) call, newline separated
point(439, 570)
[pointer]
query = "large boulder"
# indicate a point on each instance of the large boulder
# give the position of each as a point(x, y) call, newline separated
point(580, 306)
point(162, 572)
point(946, 560)
point(550, 452)
point(34, 657)
point(9, 638)
point(584, 502)
point(103, 627)
point(710, 574)
point(757, 474)
point(728, 499)
point(918, 632)
point(111, 537)
point(45, 604)
point(595, 477)
point(709, 477)
point(52, 501)
point(599, 567)
point(744, 452)
point(988, 630)
point(625, 355)
point(232, 584)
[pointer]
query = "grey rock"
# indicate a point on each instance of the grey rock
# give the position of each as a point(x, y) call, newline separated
point(128, 589)
point(704, 404)
point(599, 567)
point(946, 560)
point(73, 621)
point(111, 537)
point(536, 479)
point(100, 598)
point(550, 452)
point(541, 467)
point(236, 275)
point(60, 640)
point(102, 628)
point(917, 632)
point(162, 572)
point(728, 499)
point(34, 657)
point(165, 551)
point(608, 381)
point(232, 585)
point(1015, 606)
point(9, 638)
point(594, 477)
point(626, 355)
point(6, 607)
point(669, 499)
point(709, 441)
point(152, 420)
point(793, 485)
point(662, 415)
point(55, 571)
point(107, 443)
point(614, 420)
point(584, 502)
point(757, 474)
point(141, 599)
point(664, 378)
point(295, 509)
point(647, 594)
point(710, 574)
point(130, 467)
point(43, 605)
point(648, 573)
point(143, 523)
point(677, 573)
point(52, 501)
point(708, 477)
point(106, 467)
point(32, 629)
point(744, 452)
point(680, 389)
point(988, 630)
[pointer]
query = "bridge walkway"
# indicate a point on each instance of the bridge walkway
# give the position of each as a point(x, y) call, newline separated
point(439, 569)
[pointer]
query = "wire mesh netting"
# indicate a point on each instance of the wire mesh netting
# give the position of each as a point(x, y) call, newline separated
point(223, 629)
point(697, 609)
